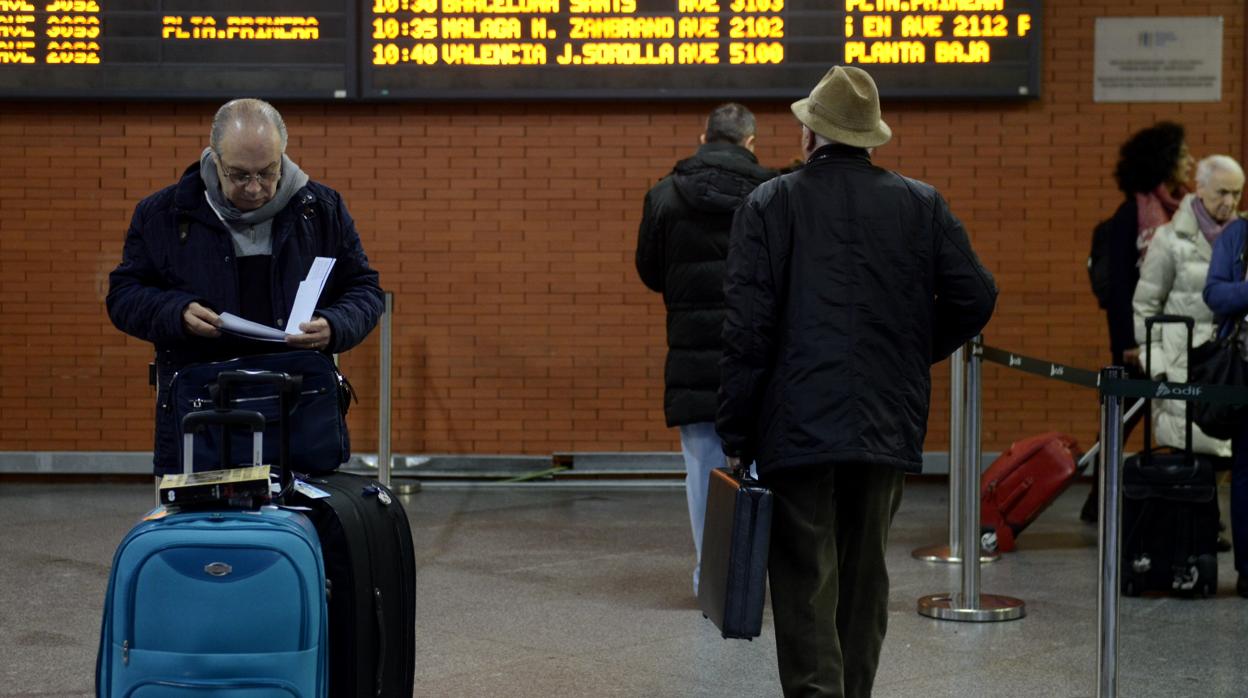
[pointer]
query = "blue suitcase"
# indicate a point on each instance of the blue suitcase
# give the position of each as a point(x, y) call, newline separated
point(215, 604)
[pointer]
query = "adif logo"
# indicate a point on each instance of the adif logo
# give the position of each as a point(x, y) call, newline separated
point(1015, 360)
point(1055, 370)
point(1164, 390)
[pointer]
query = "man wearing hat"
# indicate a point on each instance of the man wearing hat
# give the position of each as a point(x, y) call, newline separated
point(845, 283)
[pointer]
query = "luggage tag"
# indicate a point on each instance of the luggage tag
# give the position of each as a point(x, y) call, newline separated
point(159, 512)
point(378, 491)
point(309, 491)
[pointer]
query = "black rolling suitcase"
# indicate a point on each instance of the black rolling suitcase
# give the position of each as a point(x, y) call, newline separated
point(735, 543)
point(371, 567)
point(1169, 513)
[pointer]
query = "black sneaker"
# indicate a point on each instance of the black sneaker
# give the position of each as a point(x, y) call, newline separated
point(1223, 545)
point(1241, 586)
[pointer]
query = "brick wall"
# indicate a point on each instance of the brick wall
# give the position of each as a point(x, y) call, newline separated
point(506, 232)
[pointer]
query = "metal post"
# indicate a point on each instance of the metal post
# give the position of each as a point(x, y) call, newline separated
point(1109, 555)
point(383, 413)
point(969, 604)
point(957, 449)
point(970, 479)
point(957, 453)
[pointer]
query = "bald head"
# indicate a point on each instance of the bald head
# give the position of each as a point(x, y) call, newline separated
point(254, 117)
point(248, 139)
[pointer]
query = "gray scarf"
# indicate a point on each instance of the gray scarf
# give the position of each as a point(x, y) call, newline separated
point(251, 230)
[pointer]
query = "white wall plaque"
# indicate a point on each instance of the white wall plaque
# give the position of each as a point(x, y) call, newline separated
point(1158, 59)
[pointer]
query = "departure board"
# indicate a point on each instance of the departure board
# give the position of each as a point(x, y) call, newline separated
point(514, 49)
point(177, 48)
point(695, 48)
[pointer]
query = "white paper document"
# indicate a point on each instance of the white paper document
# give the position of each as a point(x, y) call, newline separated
point(305, 303)
point(252, 330)
point(309, 293)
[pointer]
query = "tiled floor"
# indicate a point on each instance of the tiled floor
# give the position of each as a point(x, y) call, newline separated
point(541, 591)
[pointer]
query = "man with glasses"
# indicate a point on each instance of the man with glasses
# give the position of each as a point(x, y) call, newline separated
point(237, 234)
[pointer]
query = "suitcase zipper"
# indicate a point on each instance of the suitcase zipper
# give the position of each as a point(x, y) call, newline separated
point(380, 673)
point(200, 403)
point(125, 653)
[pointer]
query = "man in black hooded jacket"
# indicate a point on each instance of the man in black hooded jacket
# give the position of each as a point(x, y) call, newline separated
point(680, 253)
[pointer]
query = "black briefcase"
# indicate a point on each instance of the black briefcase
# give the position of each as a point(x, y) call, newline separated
point(735, 541)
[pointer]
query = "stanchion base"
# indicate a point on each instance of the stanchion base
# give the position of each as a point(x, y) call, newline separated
point(940, 553)
point(991, 608)
point(406, 487)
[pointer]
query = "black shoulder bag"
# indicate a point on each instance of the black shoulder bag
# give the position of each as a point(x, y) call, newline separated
point(1218, 362)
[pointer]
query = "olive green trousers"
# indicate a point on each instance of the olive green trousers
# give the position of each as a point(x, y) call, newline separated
point(829, 584)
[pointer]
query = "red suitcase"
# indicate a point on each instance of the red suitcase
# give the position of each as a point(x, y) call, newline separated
point(1022, 482)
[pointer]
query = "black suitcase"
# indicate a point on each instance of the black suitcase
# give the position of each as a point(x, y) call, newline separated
point(735, 542)
point(1169, 513)
point(371, 567)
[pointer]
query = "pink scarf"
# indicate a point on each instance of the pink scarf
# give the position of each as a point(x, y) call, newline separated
point(1155, 208)
point(1210, 228)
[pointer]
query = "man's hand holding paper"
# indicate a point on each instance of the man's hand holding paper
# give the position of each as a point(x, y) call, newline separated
point(201, 321)
point(316, 334)
point(302, 329)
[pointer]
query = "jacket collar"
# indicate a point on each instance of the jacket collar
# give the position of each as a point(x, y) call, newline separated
point(839, 152)
point(725, 156)
point(728, 149)
point(1184, 222)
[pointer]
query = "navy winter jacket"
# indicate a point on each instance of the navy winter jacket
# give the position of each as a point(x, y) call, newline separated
point(1226, 291)
point(178, 251)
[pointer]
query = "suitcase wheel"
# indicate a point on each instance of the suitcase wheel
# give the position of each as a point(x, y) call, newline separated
point(988, 540)
point(1208, 567)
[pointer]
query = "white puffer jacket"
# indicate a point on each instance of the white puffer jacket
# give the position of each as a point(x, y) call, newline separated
point(1172, 279)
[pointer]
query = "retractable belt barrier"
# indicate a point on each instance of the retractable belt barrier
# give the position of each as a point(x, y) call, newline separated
point(967, 604)
point(1165, 390)
point(1121, 387)
point(1039, 367)
point(1112, 385)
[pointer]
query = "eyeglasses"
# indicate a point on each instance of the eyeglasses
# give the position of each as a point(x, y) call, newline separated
point(242, 179)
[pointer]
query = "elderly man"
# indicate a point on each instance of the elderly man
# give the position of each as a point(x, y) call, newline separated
point(237, 234)
point(681, 246)
point(1172, 280)
point(845, 283)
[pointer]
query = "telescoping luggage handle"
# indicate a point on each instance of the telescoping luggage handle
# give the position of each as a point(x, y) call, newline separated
point(195, 421)
point(288, 389)
point(1189, 458)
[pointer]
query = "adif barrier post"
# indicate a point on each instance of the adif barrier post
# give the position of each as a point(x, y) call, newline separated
point(957, 454)
point(968, 604)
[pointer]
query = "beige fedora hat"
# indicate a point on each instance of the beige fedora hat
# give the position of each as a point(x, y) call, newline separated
point(845, 107)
